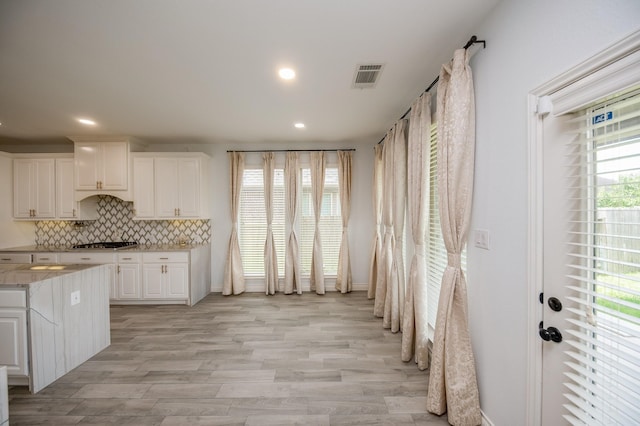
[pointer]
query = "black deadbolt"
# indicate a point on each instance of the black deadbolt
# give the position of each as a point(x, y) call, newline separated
point(555, 304)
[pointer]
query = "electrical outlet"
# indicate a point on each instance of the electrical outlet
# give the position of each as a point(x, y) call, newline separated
point(481, 238)
point(75, 298)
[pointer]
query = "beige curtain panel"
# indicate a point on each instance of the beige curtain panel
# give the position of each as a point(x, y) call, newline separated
point(270, 256)
point(394, 302)
point(452, 378)
point(415, 331)
point(386, 255)
point(344, 279)
point(317, 188)
point(376, 247)
point(292, 282)
point(233, 271)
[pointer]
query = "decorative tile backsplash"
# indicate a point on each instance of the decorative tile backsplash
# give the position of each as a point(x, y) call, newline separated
point(115, 223)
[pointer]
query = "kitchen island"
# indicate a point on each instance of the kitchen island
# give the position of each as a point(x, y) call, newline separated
point(52, 319)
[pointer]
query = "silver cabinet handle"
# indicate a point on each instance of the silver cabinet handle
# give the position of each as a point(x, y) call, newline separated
point(85, 258)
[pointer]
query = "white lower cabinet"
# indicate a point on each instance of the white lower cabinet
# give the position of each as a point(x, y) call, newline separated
point(165, 275)
point(128, 276)
point(138, 277)
point(13, 335)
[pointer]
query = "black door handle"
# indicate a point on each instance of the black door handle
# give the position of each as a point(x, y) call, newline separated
point(549, 334)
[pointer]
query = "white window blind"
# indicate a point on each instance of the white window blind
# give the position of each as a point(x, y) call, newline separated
point(436, 251)
point(252, 227)
point(603, 374)
point(330, 222)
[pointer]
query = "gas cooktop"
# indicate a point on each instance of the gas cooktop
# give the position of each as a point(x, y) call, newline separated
point(111, 245)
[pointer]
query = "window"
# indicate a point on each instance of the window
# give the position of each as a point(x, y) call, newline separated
point(604, 277)
point(436, 251)
point(252, 226)
point(330, 222)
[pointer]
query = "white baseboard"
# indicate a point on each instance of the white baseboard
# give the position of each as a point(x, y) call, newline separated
point(257, 286)
point(485, 419)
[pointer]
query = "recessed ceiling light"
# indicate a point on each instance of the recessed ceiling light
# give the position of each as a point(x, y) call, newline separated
point(86, 121)
point(299, 125)
point(286, 73)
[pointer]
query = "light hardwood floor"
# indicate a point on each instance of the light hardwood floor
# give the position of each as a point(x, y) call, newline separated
point(240, 360)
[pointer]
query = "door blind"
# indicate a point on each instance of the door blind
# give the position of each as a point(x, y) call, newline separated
point(603, 371)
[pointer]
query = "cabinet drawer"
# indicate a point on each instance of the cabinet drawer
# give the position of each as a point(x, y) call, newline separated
point(165, 257)
point(129, 257)
point(15, 258)
point(45, 258)
point(13, 299)
point(85, 257)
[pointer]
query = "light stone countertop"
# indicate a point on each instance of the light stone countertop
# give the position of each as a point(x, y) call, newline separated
point(23, 275)
point(139, 248)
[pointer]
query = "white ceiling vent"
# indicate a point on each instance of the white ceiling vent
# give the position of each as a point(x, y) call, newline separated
point(366, 76)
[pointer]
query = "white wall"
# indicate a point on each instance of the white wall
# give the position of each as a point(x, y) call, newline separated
point(528, 43)
point(360, 227)
point(12, 233)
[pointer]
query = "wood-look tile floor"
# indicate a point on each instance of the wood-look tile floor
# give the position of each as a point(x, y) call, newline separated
point(242, 360)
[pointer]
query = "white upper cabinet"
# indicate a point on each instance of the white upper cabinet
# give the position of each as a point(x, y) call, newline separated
point(34, 188)
point(170, 185)
point(66, 205)
point(143, 187)
point(177, 187)
point(102, 166)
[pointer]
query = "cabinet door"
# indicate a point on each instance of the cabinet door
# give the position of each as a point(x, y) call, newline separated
point(115, 166)
point(66, 205)
point(23, 172)
point(87, 165)
point(34, 188)
point(189, 187)
point(143, 187)
point(177, 278)
point(128, 281)
point(166, 185)
point(45, 188)
point(152, 281)
point(13, 335)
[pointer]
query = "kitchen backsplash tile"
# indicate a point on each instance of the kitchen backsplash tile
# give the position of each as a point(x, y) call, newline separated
point(115, 222)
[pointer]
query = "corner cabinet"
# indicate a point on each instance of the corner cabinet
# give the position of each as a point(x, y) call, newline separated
point(171, 186)
point(34, 188)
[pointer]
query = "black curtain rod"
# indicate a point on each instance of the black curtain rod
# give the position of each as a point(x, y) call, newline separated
point(473, 40)
point(294, 150)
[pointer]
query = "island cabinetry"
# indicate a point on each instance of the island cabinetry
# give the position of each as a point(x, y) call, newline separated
point(165, 275)
point(34, 188)
point(84, 258)
point(52, 320)
point(13, 333)
point(128, 276)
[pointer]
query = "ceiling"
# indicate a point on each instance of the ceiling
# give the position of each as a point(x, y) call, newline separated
point(169, 71)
